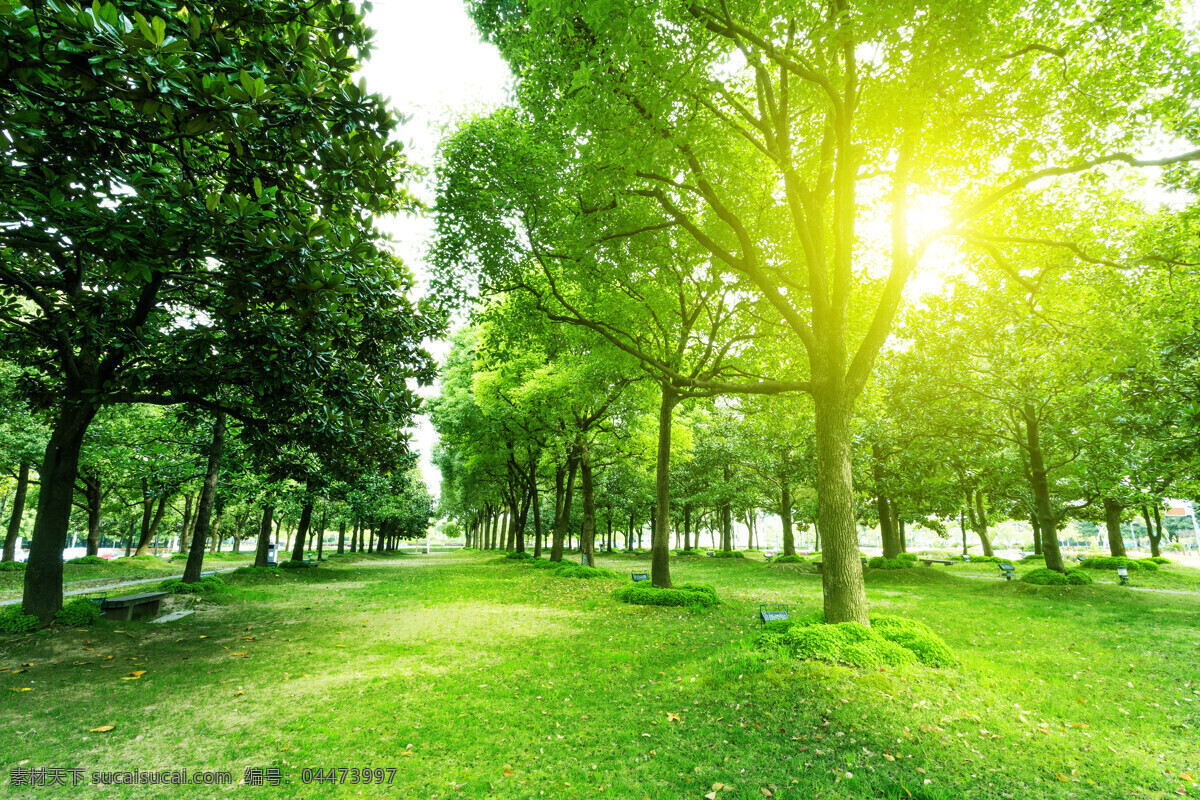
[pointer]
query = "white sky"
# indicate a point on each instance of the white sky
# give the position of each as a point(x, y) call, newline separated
point(430, 61)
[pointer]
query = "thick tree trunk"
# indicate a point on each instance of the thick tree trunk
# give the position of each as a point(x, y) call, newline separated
point(1037, 534)
point(264, 536)
point(208, 496)
point(1041, 491)
point(887, 531)
point(785, 517)
point(1112, 522)
point(341, 537)
point(18, 511)
point(687, 526)
point(60, 467)
point(305, 521)
point(660, 536)
point(564, 513)
point(587, 537)
point(841, 572)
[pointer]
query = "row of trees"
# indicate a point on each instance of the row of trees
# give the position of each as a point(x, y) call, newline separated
point(725, 196)
point(189, 194)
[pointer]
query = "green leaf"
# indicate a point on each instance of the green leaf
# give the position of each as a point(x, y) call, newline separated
point(257, 187)
point(210, 202)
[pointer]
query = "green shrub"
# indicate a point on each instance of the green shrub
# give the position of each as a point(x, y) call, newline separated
point(728, 554)
point(691, 552)
point(891, 641)
point(544, 563)
point(917, 638)
point(78, 613)
point(12, 566)
point(515, 556)
point(988, 560)
point(910, 557)
point(1078, 577)
point(787, 560)
point(879, 562)
point(1029, 559)
point(700, 588)
point(1045, 577)
point(14, 620)
point(1112, 562)
point(88, 560)
point(207, 585)
point(583, 571)
point(1156, 560)
point(296, 565)
point(640, 595)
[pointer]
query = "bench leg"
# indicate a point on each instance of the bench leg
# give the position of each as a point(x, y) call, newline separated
point(118, 614)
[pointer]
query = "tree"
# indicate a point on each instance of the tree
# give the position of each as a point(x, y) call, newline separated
point(769, 132)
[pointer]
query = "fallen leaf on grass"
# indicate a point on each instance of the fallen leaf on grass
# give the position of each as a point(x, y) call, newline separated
point(102, 729)
point(672, 717)
point(22, 689)
point(138, 673)
point(766, 792)
point(710, 796)
point(1062, 777)
point(19, 671)
point(1187, 776)
point(238, 692)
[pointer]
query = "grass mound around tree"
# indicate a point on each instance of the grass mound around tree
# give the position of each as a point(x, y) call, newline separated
point(1113, 562)
point(14, 620)
point(688, 553)
point(297, 565)
point(988, 560)
point(792, 559)
point(256, 572)
point(1048, 577)
point(879, 562)
point(544, 563)
point(582, 571)
point(515, 556)
point(88, 560)
point(728, 554)
point(78, 613)
point(212, 584)
point(1034, 558)
point(685, 595)
point(911, 558)
point(889, 642)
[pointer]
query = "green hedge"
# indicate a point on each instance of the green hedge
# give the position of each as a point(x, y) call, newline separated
point(13, 620)
point(78, 613)
point(1113, 562)
point(1048, 577)
point(684, 595)
point(582, 571)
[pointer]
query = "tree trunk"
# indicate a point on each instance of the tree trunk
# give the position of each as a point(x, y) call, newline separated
point(93, 495)
point(60, 468)
point(727, 512)
point(564, 513)
point(1041, 491)
point(1037, 534)
point(18, 511)
point(587, 537)
point(841, 572)
point(785, 517)
point(1154, 534)
point(887, 532)
point(660, 536)
point(184, 529)
point(1112, 522)
point(208, 496)
point(687, 526)
point(537, 520)
point(151, 519)
point(264, 536)
point(341, 537)
point(305, 521)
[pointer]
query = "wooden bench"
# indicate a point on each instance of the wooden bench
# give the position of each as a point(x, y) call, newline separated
point(1007, 570)
point(638, 577)
point(772, 612)
point(929, 562)
point(132, 606)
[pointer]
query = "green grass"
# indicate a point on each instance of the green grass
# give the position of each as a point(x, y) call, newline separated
point(476, 679)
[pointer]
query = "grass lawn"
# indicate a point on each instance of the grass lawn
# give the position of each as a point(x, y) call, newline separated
point(470, 676)
point(81, 575)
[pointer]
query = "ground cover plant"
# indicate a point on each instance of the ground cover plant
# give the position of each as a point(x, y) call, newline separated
point(477, 679)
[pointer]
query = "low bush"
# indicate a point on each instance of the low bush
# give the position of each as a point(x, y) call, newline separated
point(1078, 577)
point(1048, 577)
point(544, 563)
point(207, 585)
point(793, 559)
point(1156, 560)
point(88, 560)
point(687, 595)
point(909, 557)
point(890, 641)
point(988, 560)
point(1032, 557)
point(514, 556)
point(11, 566)
point(693, 552)
point(297, 565)
point(1113, 562)
point(583, 571)
point(879, 562)
point(14, 620)
point(728, 554)
point(78, 613)
point(127, 559)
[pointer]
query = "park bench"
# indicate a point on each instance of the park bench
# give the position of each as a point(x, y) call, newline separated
point(132, 606)
point(1007, 570)
point(772, 612)
point(929, 562)
point(711, 554)
point(769, 555)
point(1123, 574)
point(638, 577)
point(966, 556)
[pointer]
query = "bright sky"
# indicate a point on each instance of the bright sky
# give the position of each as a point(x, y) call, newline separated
point(429, 60)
